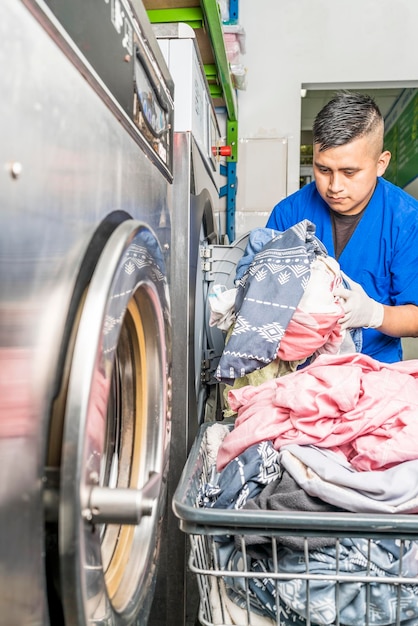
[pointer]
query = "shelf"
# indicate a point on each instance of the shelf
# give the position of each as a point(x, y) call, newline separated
point(204, 17)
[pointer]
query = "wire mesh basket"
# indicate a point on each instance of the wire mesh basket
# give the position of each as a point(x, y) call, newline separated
point(296, 568)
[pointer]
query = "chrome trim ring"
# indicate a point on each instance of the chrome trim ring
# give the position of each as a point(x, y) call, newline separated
point(116, 431)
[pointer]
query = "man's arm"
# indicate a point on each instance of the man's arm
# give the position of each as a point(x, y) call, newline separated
point(400, 321)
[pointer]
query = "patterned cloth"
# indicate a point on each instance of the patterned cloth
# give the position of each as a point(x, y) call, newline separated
point(356, 558)
point(276, 279)
point(243, 478)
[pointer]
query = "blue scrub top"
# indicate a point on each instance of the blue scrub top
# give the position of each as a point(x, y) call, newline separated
point(381, 255)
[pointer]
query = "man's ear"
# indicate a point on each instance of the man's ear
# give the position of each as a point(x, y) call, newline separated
point(383, 162)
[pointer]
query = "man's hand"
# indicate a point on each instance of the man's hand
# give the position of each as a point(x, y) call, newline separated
point(360, 310)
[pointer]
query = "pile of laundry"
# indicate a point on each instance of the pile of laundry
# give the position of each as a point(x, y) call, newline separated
point(282, 312)
point(338, 434)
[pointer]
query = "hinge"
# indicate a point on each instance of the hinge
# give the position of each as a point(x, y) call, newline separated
point(205, 253)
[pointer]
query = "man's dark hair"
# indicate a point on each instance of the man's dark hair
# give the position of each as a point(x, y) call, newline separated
point(348, 116)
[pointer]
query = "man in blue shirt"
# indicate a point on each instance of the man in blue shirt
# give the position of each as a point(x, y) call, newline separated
point(368, 224)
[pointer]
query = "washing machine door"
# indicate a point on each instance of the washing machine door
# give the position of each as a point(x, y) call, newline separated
point(203, 236)
point(221, 270)
point(114, 455)
point(219, 262)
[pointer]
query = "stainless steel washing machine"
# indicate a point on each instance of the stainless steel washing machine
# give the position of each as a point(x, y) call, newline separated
point(85, 315)
point(199, 261)
point(196, 345)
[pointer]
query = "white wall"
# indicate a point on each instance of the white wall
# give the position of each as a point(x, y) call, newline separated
point(318, 43)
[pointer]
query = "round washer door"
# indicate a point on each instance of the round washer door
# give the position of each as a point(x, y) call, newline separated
point(116, 435)
point(224, 266)
point(205, 229)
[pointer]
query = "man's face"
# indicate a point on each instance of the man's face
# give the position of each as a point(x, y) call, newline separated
point(346, 176)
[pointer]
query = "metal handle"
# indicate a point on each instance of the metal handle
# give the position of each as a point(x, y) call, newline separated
point(122, 506)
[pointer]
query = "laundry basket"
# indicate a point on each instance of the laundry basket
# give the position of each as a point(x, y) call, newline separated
point(366, 576)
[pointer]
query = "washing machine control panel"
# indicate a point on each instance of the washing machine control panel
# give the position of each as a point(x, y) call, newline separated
point(121, 64)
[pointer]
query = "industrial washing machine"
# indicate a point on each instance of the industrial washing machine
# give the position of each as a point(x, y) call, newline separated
point(85, 322)
point(199, 259)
